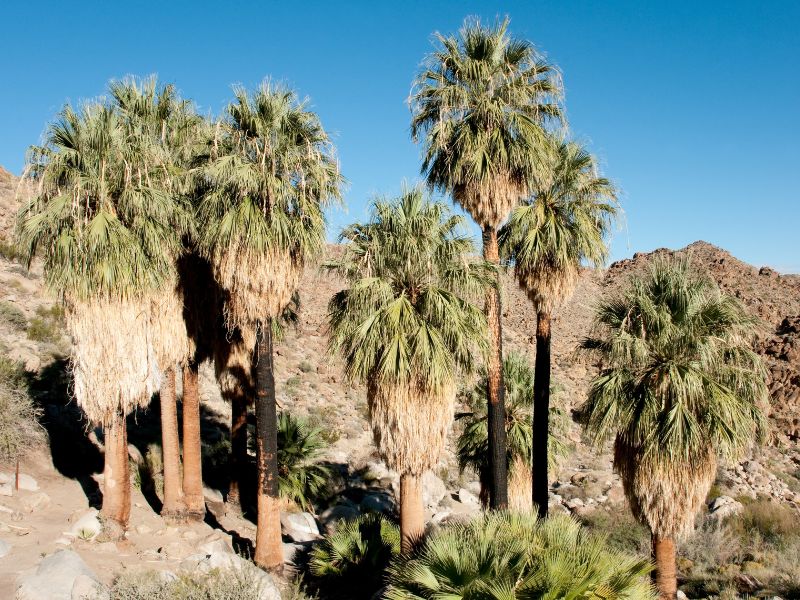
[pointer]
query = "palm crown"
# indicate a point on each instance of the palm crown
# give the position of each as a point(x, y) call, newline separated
point(562, 225)
point(679, 385)
point(480, 107)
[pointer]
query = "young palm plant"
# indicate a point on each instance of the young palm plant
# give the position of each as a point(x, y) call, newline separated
point(517, 556)
point(679, 386)
point(269, 176)
point(405, 326)
point(561, 226)
point(473, 443)
point(107, 232)
point(301, 476)
point(156, 117)
point(480, 108)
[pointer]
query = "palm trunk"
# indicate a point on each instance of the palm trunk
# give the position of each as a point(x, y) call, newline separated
point(412, 517)
point(269, 548)
point(170, 449)
point(665, 578)
point(519, 486)
point(496, 410)
point(192, 463)
point(238, 447)
point(116, 507)
point(541, 413)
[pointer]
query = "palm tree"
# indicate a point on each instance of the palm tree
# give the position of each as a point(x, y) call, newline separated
point(473, 443)
point(107, 233)
point(269, 176)
point(480, 107)
point(679, 386)
point(562, 225)
point(517, 556)
point(158, 119)
point(404, 326)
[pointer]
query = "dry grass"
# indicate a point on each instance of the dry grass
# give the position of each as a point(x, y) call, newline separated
point(229, 584)
point(19, 426)
point(12, 315)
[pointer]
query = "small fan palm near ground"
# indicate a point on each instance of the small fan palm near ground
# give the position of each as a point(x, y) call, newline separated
point(561, 226)
point(269, 174)
point(108, 225)
point(517, 556)
point(679, 387)
point(405, 327)
point(480, 107)
point(473, 443)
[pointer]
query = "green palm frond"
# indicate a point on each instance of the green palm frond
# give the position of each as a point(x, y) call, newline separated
point(301, 477)
point(514, 557)
point(481, 107)
point(561, 226)
point(407, 312)
point(678, 374)
point(473, 444)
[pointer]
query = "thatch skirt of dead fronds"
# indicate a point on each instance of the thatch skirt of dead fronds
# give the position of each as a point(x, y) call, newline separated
point(547, 285)
point(112, 361)
point(665, 495)
point(260, 285)
point(168, 335)
point(520, 485)
point(410, 423)
point(490, 203)
point(233, 365)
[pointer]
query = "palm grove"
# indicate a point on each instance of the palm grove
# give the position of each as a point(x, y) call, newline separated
point(172, 239)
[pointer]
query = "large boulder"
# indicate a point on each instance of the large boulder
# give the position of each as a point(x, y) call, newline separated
point(87, 526)
point(433, 490)
point(55, 578)
point(723, 507)
point(301, 527)
point(330, 517)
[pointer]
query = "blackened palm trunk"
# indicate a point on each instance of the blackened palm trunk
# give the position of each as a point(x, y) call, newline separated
point(541, 413)
point(496, 410)
point(269, 549)
point(238, 447)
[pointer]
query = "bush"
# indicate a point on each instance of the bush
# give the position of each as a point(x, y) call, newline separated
point(44, 330)
point(621, 531)
point(770, 520)
point(9, 250)
point(228, 584)
point(18, 415)
point(306, 367)
point(354, 558)
point(510, 556)
point(13, 315)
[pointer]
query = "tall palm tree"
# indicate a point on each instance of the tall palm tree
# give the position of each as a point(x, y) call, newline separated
point(473, 444)
point(158, 119)
point(480, 108)
point(405, 327)
point(269, 176)
point(561, 226)
point(107, 233)
point(679, 386)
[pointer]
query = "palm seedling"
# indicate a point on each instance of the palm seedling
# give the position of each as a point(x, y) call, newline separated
point(560, 227)
point(405, 327)
point(269, 175)
point(473, 444)
point(679, 386)
point(301, 476)
point(514, 556)
point(481, 106)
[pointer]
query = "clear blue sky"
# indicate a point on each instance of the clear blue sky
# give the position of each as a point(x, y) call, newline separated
point(693, 108)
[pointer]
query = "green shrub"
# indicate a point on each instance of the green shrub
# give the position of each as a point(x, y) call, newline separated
point(770, 520)
point(9, 250)
point(621, 531)
point(306, 367)
point(13, 315)
point(228, 584)
point(516, 556)
point(44, 330)
point(355, 557)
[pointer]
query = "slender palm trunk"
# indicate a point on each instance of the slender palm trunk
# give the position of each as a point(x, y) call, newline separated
point(665, 578)
point(116, 507)
point(412, 515)
point(238, 447)
point(496, 410)
point(519, 486)
point(170, 449)
point(269, 549)
point(541, 413)
point(192, 464)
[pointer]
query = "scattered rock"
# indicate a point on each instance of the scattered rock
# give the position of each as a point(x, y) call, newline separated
point(33, 502)
point(380, 503)
point(723, 507)
point(87, 526)
point(176, 550)
point(340, 512)
point(301, 527)
point(6, 489)
point(86, 588)
point(5, 548)
point(433, 490)
point(54, 577)
point(468, 498)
